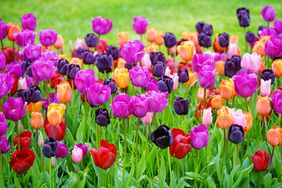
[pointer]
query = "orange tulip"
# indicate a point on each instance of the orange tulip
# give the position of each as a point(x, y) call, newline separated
point(76, 61)
point(55, 113)
point(152, 35)
point(121, 77)
point(277, 67)
point(152, 48)
point(192, 78)
point(216, 102)
point(189, 36)
point(186, 50)
point(121, 63)
point(64, 93)
point(34, 107)
point(13, 29)
point(249, 121)
point(219, 66)
point(200, 94)
point(264, 39)
point(259, 48)
point(274, 136)
point(263, 106)
point(122, 38)
point(59, 42)
point(159, 39)
point(226, 89)
point(224, 119)
point(37, 120)
point(262, 66)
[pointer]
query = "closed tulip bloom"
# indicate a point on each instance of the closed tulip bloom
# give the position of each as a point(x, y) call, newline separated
point(159, 69)
point(156, 57)
point(139, 76)
point(268, 74)
point(249, 121)
point(231, 67)
point(248, 81)
point(61, 151)
point(2, 61)
point(91, 40)
point(183, 76)
point(273, 47)
point(263, 106)
point(15, 68)
point(42, 70)
point(122, 38)
point(147, 120)
point(77, 154)
point(274, 136)
point(157, 101)
point(3, 124)
point(84, 79)
point(219, 67)
point(12, 31)
point(37, 120)
point(104, 63)
point(83, 147)
point(59, 44)
point(102, 117)
point(25, 37)
point(224, 119)
point(101, 26)
point(207, 117)
point(4, 145)
point(278, 25)
point(3, 29)
point(72, 71)
point(226, 89)
point(165, 84)
point(32, 51)
point(14, 108)
point(22, 160)
point(112, 84)
point(236, 134)
point(113, 51)
point(181, 106)
point(276, 100)
point(88, 57)
point(98, 94)
point(121, 77)
point(261, 160)
point(24, 138)
point(186, 50)
point(201, 60)
point(64, 92)
point(258, 48)
point(268, 13)
point(152, 85)
point(216, 102)
point(47, 37)
point(251, 62)
point(34, 107)
point(204, 40)
point(58, 132)
point(132, 52)
point(277, 67)
point(55, 113)
point(162, 137)
point(50, 147)
point(139, 106)
point(223, 39)
point(265, 88)
point(170, 40)
point(152, 35)
point(120, 106)
point(181, 144)
point(206, 77)
point(239, 117)
point(199, 136)
point(105, 156)
point(6, 84)
point(140, 25)
point(29, 22)
point(243, 15)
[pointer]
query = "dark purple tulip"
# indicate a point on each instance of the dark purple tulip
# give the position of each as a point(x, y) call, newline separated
point(63, 66)
point(199, 27)
point(120, 106)
point(101, 26)
point(159, 69)
point(50, 147)
point(248, 81)
point(156, 57)
point(98, 94)
point(139, 76)
point(140, 25)
point(2, 61)
point(83, 80)
point(132, 51)
point(268, 13)
point(181, 106)
point(6, 84)
point(112, 84)
point(23, 94)
point(267, 74)
point(199, 136)
point(236, 134)
point(62, 150)
point(162, 137)
point(32, 51)
point(26, 66)
point(165, 84)
point(232, 66)
point(83, 147)
point(3, 124)
point(14, 108)
point(243, 15)
point(113, 51)
point(72, 71)
point(139, 106)
point(260, 29)
point(29, 22)
point(251, 38)
point(25, 37)
point(88, 57)
point(3, 29)
point(223, 39)
point(207, 77)
point(15, 68)
point(47, 37)
point(183, 76)
point(42, 70)
point(278, 26)
point(4, 145)
point(79, 51)
point(157, 101)
point(170, 40)
point(152, 85)
point(276, 100)
point(32, 94)
point(102, 117)
point(204, 40)
point(91, 40)
point(208, 29)
point(104, 63)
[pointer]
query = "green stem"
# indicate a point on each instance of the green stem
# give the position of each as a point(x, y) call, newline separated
point(17, 132)
point(271, 159)
point(246, 102)
point(237, 154)
point(124, 149)
point(1, 169)
point(263, 122)
point(224, 142)
point(50, 171)
point(2, 46)
point(85, 120)
point(169, 164)
point(46, 91)
point(141, 36)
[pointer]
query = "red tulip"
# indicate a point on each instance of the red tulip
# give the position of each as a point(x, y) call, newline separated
point(25, 138)
point(261, 160)
point(22, 160)
point(105, 156)
point(58, 131)
point(181, 144)
point(56, 79)
point(15, 84)
point(11, 55)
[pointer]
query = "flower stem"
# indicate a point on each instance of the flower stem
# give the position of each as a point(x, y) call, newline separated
point(124, 149)
point(169, 164)
point(1, 168)
point(50, 168)
point(246, 102)
point(224, 144)
point(2, 46)
point(237, 154)
point(46, 91)
point(263, 122)
point(271, 159)
point(17, 132)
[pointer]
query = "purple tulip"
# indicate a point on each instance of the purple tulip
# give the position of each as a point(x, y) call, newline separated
point(152, 85)
point(139, 106)
point(98, 94)
point(132, 51)
point(204, 40)
point(245, 83)
point(6, 84)
point(120, 105)
point(201, 60)
point(53, 99)
point(273, 47)
point(3, 124)
point(42, 70)
point(15, 68)
point(84, 79)
point(91, 40)
point(4, 145)
point(278, 26)
point(156, 57)
point(62, 150)
point(2, 61)
point(223, 39)
point(207, 77)
point(32, 51)
point(47, 37)
point(25, 37)
point(29, 22)
point(165, 84)
point(169, 40)
point(113, 51)
point(162, 137)
point(159, 69)
point(139, 76)
point(104, 63)
point(243, 15)
point(199, 136)
point(157, 101)
point(83, 147)
point(101, 26)
point(3, 29)
point(277, 101)
point(268, 13)
point(50, 56)
point(14, 108)
point(140, 25)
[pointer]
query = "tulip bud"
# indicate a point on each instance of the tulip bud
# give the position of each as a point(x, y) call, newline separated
point(265, 87)
point(77, 155)
point(263, 106)
point(207, 117)
point(40, 140)
point(147, 120)
point(64, 92)
point(261, 160)
point(55, 113)
point(226, 89)
point(277, 67)
point(224, 119)
point(216, 102)
point(236, 134)
point(37, 120)
point(53, 161)
point(249, 121)
point(274, 136)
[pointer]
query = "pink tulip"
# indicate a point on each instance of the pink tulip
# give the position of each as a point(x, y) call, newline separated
point(238, 117)
point(207, 117)
point(251, 62)
point(147, 120)
point(233, 49)
point(22, 83)
point(175, 79)
point(265, 89)
point(145, 61)
point(77, 154)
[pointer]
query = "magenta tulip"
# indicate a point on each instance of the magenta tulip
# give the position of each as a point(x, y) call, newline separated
point(14, 108)
point(83, 80)
point(140, 25)
point(120, 106)
point(101, 26)
point(98, 94)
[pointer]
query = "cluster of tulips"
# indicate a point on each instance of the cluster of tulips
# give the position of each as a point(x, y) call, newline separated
point(137, 80)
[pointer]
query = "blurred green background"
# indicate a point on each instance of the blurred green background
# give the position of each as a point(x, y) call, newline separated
point(72, 19)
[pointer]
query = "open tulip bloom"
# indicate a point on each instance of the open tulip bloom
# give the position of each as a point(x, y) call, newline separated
point(202, 109)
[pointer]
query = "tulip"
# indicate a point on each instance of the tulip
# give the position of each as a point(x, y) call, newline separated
point(170, 40)
point(88, 57)
point(162, 137)
point(3, 124)
point(61, 151)
point(186, 50)
point(84, 79)
point(132, 52)
point(2, 61)
point(113, 51)
point(159, 69)
point(157, 101)
point(249, 121)
point(64, 92)
point(204, 40)
point(258, 48)
point(121, 77)
point(72, 71)
point(13, 108)
point(223, 40)
point(263, 106)
point(146, 61)
point(152, 35)
point(58, 132)
point(42, 70)
point(183, 75)
point(277, 67)
point(23, 139)
point(231, 67)
point(112, 84)
point(207, 117)
point(251, 62)
point(224, 119)
point(59, 44)
point(3, 29)
point(140, 25)
point(102, 117)
point(236, 134)
point(29, 22)
point(15, 68)
point(243, 15)
point(12, 31)
point(245, 80)
point(181, 144)
point(147, 120)
point(200, 60)
point(261, 160)
point(139, 106)
point(22, 160)
point(276, 100)
point(4, 145)
point(207, 77)
point(139, 76)
point(83, 147)
point(268, 74)
point(122, 38)
point(47, 37)
point(120, 105)
point(251, 38)
point(268, 13)
point(98, 94)
point(199, 136)
point(219, 65)
point(6, 83)
point(32, 94)
point(239, 117)
point(32, 51)
point(55, 113)
point(104, 63)
point(226, 89)
point(37, 120)
point(34, 107)
point(156, 57)
point(181, 106)
point(50, 147)
point(165, 84)
point(216, 102)
point(272, 47)
point(77, 155)
point(278, 25)
point(40, 140)
point(101, 26)
point(91, 40)
point(24, 38)
point(274, 136)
